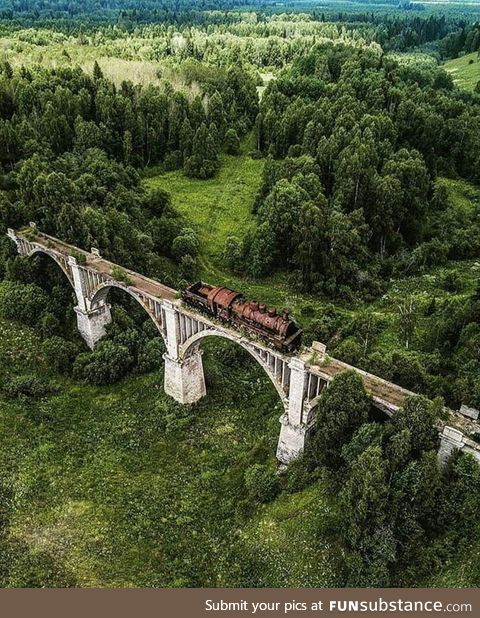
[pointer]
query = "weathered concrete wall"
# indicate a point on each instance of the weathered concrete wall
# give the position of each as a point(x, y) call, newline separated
point(291, 441)
point(91, 324)
point(451, 440)
point(184, 379)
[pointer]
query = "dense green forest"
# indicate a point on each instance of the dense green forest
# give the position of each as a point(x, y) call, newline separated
point(319, 159)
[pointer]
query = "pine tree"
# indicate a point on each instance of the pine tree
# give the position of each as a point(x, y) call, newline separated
point(203, 162)
point(97, 71)
point(232, 142)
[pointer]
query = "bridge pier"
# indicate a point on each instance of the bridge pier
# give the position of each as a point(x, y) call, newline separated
point(184, 379)
point(91, 324)
point(293, 432)
point(451, 440)
point(291, 441)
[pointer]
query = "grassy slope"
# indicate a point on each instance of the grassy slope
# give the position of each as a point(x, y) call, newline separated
point(122, 487)
point(464, 74)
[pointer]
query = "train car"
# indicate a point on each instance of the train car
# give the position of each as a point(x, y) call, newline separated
point(229, 306)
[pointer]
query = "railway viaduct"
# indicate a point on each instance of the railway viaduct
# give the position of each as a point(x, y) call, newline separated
point(298, 379)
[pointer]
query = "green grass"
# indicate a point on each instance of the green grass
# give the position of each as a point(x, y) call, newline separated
point(120, 486)
point(465, 73)
point(218, 207)
point(464, 196)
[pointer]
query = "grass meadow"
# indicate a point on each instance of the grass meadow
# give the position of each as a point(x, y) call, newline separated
point(465, 70)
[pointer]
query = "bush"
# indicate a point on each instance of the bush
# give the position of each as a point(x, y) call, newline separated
point(188, 268)
point(233, 254)
point(349, 351)
point(107, 364)
point(27, 386)
point(150, 356)
point(298, 474)
point(121, 275)
point(22, 302)
point(173, 161)
point(60, 354)
point(232, 143)
point(330, 325)
point(48, 325)
point(261, 483)
point(175, 418)
point(159, 202)
point(452, 282)
point(407, 370)
point(185, 244)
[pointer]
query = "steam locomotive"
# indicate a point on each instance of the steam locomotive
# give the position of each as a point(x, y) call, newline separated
point(257, 319)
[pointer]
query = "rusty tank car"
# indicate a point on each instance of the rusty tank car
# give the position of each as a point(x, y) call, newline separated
point(275, 329)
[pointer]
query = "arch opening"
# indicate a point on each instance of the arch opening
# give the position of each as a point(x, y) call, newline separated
point(112, 289)
point(39, 251)
point(193, 344)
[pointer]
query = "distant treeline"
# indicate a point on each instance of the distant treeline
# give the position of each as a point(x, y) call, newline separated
point(394, 29)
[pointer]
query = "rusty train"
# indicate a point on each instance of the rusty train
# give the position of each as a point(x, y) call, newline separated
point(277, 330)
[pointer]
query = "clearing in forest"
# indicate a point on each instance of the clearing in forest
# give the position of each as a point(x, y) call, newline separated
point(218, 207)
point(465, 70)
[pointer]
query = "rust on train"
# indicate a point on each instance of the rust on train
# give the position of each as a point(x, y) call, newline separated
point(276, 329)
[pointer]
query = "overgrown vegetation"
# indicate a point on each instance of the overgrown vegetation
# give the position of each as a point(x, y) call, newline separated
point(329, 165)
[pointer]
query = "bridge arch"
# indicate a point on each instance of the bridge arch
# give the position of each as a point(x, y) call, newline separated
point(62, 264)
point(101, 293)
point(193, 343)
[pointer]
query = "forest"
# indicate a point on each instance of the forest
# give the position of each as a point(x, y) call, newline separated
point(322, 159)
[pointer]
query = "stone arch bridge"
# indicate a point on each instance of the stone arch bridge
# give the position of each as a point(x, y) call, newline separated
point(299, 379)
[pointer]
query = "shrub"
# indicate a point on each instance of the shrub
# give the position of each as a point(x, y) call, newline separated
point(185, 244)
point(173, 161)
point(48, 325)
point(175, 418)
point(407, 370)
point(298, 474)
point(121, 275)
point(22, 302)
point(159, 202)
point(261, 483)
point(350, 351)
point(232, 142)
point(60, 354)
point(107, 364)
point(150, 356)
point(188, 268)
point(233, 254)
point(27, 386)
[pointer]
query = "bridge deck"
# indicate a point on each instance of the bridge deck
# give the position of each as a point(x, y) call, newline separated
point(145, 284)
point(387, 395)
